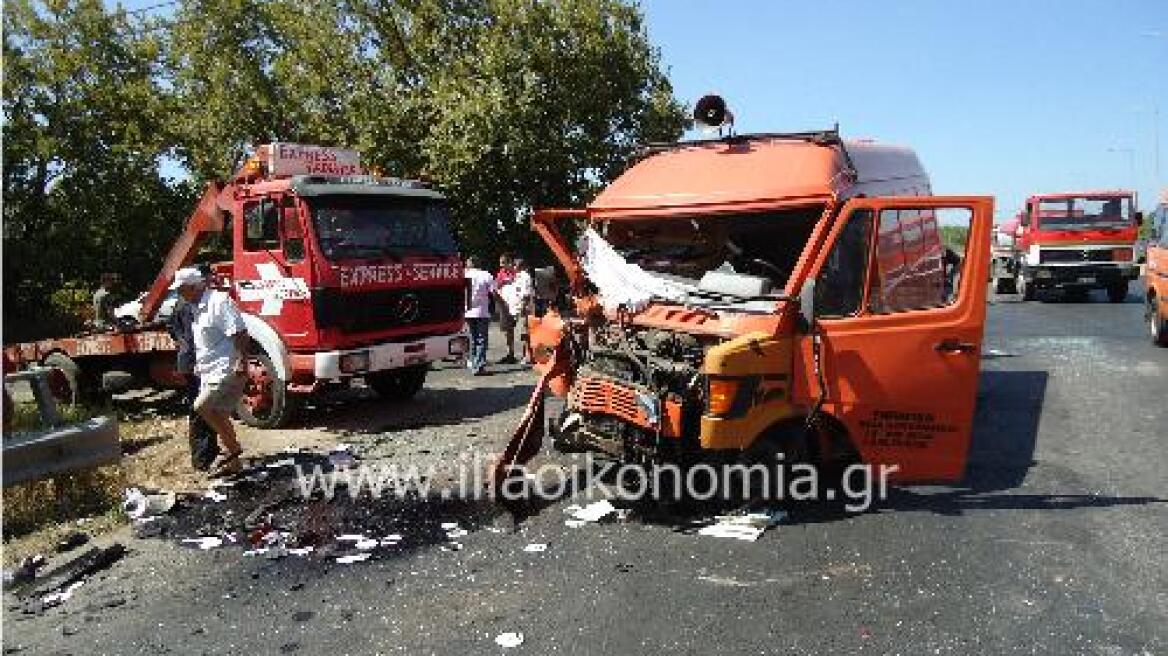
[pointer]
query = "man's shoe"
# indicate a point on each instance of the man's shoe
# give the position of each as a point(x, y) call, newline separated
point(508, 359)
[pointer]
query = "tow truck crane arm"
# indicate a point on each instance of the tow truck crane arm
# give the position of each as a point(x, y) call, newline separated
point(205, 220)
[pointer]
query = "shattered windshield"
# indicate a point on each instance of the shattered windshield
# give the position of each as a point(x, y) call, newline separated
point(702, 258)
point(1084, 212)
point(349, 227)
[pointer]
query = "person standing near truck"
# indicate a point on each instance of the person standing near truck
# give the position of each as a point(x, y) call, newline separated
point(517, 302)
point(104, 302)
point(200, 436)
point(480, 286)
point(221, 344)
point(503, 279)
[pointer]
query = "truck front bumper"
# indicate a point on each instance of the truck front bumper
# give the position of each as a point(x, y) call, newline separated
point(1081, 275)
point(334, 365)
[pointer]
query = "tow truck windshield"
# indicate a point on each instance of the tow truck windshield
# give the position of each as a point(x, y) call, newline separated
point(350, 227)
point(1084, 213)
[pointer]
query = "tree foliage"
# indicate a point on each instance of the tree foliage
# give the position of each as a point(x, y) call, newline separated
point(508, 104)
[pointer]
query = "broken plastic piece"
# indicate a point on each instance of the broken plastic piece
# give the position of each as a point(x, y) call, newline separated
point(214, 496)
point(456, 533)
point(366, 545)
point(138, 504)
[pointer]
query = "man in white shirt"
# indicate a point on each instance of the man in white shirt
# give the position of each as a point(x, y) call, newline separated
point(517, 300)
point(480, 285)
point(221, 345)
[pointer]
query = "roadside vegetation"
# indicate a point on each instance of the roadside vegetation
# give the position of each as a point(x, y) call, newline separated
point(114, 119)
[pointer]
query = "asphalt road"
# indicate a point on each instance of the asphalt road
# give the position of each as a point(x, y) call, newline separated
point(1055, 544)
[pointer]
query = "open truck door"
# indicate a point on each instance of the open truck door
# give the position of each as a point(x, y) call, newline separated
point(894, 307)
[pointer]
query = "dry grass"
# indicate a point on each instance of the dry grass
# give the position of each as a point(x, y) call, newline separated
point(38, 513)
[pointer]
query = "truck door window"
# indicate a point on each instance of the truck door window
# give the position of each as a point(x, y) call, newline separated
point(919, 264)
point(261, 228)
point(839, 289)
point(292, 230)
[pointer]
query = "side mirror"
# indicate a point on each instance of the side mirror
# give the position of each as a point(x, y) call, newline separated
point(807, 305)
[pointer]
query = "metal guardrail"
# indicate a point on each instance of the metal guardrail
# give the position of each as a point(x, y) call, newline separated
point(60, 447)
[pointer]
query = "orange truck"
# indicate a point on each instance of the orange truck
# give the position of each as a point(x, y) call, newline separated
point(1074, 242)
point(757, 293)
point(339, 275)
point(1156, 273)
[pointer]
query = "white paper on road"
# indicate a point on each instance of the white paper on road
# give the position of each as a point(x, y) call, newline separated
point(594, 512)
point(509, 639)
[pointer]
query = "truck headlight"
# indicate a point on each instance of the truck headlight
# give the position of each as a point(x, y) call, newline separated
point(729, 396)
point(1122, 255)
point(351, 363)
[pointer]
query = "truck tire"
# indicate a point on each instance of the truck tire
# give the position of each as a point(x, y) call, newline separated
point(1024, 288)
point(1004, 286)
point(81, 387)
point(1117, 292)
point(266, 402)
point(398, 384)
point(1157, 324)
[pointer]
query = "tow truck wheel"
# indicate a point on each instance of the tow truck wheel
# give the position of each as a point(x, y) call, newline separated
point(266, 402)
point(1117, 291)
point(75, 387)
point(398, 384)
point(1157, 324)
point(1025, 288)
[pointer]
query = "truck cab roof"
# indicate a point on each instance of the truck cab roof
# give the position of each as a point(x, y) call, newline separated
point(760, 169)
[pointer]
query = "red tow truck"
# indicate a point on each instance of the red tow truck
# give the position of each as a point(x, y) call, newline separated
point(339, 274)
point(1073, 242)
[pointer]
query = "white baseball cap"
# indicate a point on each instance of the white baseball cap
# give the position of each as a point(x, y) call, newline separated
point(187, 276)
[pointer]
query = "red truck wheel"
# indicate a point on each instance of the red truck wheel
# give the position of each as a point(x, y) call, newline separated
point(73, 386)
point(266, 402)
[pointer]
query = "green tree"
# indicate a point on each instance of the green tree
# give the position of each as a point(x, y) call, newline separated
point(508, 104)
point(85, 128)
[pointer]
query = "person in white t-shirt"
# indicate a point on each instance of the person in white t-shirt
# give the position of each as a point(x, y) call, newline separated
point(480, 286)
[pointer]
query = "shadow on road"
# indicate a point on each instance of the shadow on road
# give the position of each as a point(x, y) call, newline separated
point(362, 412)
point(1005, 428)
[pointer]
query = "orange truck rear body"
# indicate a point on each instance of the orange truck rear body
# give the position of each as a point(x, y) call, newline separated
point(685, 379)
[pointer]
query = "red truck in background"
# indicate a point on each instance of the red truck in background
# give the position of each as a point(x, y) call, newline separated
point(1072, 242)
point(339, 274)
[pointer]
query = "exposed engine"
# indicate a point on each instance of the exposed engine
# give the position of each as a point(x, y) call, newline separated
point(638, 393)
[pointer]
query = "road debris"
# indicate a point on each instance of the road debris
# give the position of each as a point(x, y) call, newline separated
point(509, 640)
point(214, 496)
point(747, 527)
point(594, 512)
point(354, 558)
point(206, 542)
point(535, 547)
point(72, 541)
point(61, 596)
point(138, 504)
point(25, 572)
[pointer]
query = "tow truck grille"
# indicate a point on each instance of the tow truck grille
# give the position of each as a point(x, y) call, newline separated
point(1076, 255)
point(370, 311)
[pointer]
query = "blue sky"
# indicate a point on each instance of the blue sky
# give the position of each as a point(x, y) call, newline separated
point(1000, 98)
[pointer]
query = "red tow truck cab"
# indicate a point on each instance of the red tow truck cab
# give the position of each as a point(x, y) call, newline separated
point(338, 273)
point(1075, 242)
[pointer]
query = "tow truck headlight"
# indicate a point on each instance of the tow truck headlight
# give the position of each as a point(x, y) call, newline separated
point(459, 345)
point(351, 363)
point(1122, 255)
